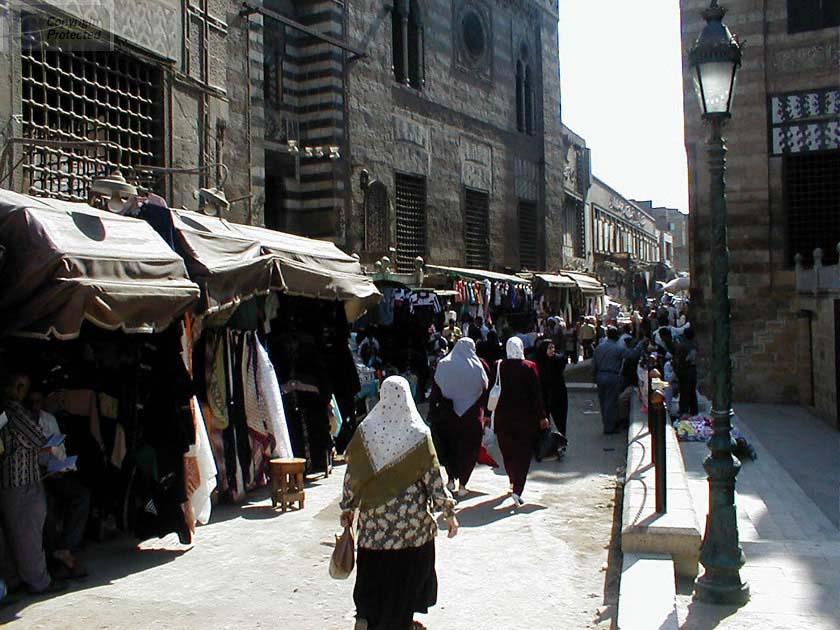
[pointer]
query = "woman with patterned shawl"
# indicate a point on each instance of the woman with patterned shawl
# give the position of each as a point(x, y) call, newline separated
point(394, 480)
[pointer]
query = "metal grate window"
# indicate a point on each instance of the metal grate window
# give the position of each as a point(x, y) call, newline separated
point(812, 15)
point(411, 220)
point(527, 235)
point(100, 95)
point(812, 197)
point(476, 232)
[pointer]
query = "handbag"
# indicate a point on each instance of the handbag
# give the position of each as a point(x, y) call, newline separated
point(548, 443)
point(343, 556)
point(496, 392)
point(488, 438)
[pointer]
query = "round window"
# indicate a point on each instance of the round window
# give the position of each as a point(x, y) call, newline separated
point(472, 31)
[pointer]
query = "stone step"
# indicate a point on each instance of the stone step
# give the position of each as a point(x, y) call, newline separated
point(647, 595)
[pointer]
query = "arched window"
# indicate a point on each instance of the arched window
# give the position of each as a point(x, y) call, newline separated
point(407, 43)
point(524, 93)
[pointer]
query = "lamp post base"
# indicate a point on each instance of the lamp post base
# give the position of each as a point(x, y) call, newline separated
point(721, 588)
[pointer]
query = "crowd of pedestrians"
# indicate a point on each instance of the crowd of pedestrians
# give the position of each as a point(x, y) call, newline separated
point(513, 392)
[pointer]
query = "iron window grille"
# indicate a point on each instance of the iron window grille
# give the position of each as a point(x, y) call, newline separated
point(476, 232)
point(411, 220)
point(812, 200)
point(527, 235)
point(101, 95)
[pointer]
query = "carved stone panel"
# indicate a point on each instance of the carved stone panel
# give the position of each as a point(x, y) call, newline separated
point(817, 57)
point(526, 183)
point(412, 144)
point(152, 24)
point(476, 164)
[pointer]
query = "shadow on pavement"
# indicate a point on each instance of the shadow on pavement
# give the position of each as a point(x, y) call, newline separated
point(110, 561)
point(615, 562)
point(706, 616)
point(493, 510)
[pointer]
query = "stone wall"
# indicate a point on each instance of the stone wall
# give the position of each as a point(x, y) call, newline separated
point(208, 111)
point(460, 128)
point(818, 348)
point(764, 318)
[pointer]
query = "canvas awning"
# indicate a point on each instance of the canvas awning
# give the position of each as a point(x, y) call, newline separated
point(556, 281)
point(676, 285)
point(478, 274)
point(227, 265)
point(317, 269)
point(67, 263)
point(588, 285)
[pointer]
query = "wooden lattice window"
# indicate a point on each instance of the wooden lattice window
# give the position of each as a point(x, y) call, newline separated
point(812, 199)
point(411, 220)
point(528, 235)
point(476, 228)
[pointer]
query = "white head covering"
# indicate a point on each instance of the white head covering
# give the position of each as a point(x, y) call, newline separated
point(461, 377)
point(394, 426)
point(515, 348)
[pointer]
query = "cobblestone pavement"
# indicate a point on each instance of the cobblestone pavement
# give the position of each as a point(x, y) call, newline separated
point(545, 565)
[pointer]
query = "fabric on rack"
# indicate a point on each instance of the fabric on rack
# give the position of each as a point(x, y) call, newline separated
point(271, 401)
point(120, 450)
point(272, 308)
point(216, 380)
point(238, 454)
point(77, 402)
point(201, 452)
point(385, 309)
point(256, 419)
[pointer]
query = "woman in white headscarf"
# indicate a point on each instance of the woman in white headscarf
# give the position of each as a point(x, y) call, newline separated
point(462, 378)
point(519, 414)
point(394, 480)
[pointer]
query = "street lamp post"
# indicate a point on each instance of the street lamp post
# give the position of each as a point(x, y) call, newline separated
point(715, 59)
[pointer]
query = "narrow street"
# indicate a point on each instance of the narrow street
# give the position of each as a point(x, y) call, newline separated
point(544, 565)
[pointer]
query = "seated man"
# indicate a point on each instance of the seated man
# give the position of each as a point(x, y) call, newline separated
point(68, 500)
point(22, 504)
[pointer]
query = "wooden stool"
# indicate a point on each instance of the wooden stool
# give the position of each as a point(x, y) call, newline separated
point(287, 482)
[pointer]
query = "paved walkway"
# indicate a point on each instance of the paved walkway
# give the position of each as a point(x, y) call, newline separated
point(542, 566)
point(791, 541)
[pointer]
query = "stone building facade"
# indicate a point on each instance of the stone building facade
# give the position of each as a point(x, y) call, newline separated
point(165, 83)
point(675, 223)
point(454, 135)
point(783, 173)
point(431, 128)
point(624, 240)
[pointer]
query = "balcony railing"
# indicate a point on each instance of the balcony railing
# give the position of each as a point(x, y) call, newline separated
point(819, 278)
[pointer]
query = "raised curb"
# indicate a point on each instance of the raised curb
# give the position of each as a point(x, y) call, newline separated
point(648, 594)
point(581, 386)
point(675, 533)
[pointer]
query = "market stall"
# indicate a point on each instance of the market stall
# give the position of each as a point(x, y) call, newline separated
point(229, 266)
point(77, 286)
point(67, 263)
point(502, 299)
